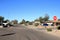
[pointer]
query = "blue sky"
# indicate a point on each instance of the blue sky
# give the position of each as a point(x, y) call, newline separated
point(29, 9)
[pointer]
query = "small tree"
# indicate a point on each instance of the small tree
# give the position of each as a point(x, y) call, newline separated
point(15, 21)
point(41, 19)
point(1, 19)
point(46, 17)
point(36, 20)
point(22, 22)
point(27, 21)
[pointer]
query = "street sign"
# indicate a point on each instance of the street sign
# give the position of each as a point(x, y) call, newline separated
point(55, 18)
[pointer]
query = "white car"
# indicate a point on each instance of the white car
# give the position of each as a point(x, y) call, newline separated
point(5, 24)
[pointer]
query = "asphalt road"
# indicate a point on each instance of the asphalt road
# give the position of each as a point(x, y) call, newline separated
point(23, 33)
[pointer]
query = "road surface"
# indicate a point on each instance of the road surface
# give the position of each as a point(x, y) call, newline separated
point(23, 33)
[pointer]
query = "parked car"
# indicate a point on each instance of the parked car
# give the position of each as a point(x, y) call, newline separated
point(45, 24)
point(5, 24)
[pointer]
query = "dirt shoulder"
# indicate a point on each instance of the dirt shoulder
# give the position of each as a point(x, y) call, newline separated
point(54, 32)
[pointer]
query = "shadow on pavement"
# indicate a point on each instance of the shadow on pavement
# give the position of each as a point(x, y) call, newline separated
point(7, 34)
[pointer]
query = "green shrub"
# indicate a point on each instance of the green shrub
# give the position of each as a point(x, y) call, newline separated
point(49, 29)
point(58, 27)
point(36, 24)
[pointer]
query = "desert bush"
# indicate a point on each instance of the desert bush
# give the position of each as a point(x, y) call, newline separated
point(36, 24)
point(49, 29)
point(58, 27)
point(30, 23)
